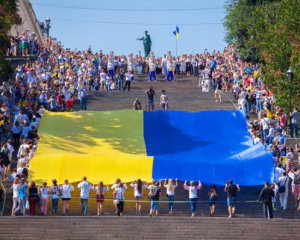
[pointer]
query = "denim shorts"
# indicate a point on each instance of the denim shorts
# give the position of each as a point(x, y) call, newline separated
point(230, 201)
point(154, 205)
point(150, 102)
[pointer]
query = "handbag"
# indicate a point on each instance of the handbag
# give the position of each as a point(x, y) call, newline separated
point(27, 204)
point(282, 188)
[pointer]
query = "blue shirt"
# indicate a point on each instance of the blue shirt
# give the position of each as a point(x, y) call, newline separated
point(213, 64)
point(22, 191)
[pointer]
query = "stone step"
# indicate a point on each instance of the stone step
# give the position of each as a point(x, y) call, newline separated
point(145, 228)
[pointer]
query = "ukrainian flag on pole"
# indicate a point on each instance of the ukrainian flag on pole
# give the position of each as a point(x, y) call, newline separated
point(176, 33)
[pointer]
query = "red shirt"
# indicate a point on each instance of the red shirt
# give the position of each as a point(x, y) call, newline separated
point(282, 120)
point(70, 103)
point(59, 99)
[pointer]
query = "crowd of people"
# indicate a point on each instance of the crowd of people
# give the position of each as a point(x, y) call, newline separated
point(59, 75)
point(24, 44)
point(27, 196)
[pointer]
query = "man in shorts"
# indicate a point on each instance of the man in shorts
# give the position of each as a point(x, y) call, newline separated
point(231, 190)
point(150, 104)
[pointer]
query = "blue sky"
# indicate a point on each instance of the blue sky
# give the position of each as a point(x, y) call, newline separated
point(79, 24)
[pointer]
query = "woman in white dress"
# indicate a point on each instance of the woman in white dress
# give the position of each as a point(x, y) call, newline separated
point(16, 200)
point(205, 85)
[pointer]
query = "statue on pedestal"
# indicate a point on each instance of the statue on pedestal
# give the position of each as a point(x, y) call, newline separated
point(147, 43)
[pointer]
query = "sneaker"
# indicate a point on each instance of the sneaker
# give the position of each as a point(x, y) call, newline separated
point(193, 215)
point(230, 216)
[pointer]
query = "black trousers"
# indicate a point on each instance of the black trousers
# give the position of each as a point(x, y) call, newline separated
point(268, 210)
point(120, 207)
point(127, 85)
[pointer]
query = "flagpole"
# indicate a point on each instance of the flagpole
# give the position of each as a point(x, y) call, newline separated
point(176, 46)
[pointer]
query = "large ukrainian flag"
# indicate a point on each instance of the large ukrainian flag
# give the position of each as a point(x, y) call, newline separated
point(213, 146)
point(99, 145)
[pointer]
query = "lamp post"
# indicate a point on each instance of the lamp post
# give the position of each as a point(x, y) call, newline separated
point(290, 76)
point(47, 27)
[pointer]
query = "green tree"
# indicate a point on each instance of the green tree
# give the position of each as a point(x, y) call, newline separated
point(8, 17)
point(272, 29)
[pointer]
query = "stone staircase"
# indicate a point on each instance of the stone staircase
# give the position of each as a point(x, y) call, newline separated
point(184, 94)
point(146, 228)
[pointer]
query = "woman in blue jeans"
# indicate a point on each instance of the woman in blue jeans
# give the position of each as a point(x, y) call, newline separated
point(55, 191)
point(193, 194)
point(170, 192)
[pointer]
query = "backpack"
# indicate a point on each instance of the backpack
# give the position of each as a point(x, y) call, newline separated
point(296, 180)
point(154, 192)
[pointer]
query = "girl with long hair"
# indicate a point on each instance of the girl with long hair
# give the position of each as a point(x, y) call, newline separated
point(170, 192)
point(138, 187)
point(44, 193)
point(212, 197)
point(193, 194)
point(66, 196)
point(33, 197)
point(119, 197)
point(100, 192)
point(55, 191)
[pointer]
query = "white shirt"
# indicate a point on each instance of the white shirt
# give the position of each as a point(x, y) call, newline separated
point(23, 160)
point(110, 65)
point(271, 132)
point(290, 155)
point(44, 192)
point(104, 189)
point(85, 188)
point(66, 190)
point(265, 123)
point(15, 188)
point(22, 149)
point(170, 190)
point(278, 174)
point(244, 95)
point(136, 191)
point(284, 181)
point(292, 176)
point(103, 76)
point(193, 191)
point(151, 66)
point(128, 77)
point(170, 66)
point(119, 192)
point(11, 150)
